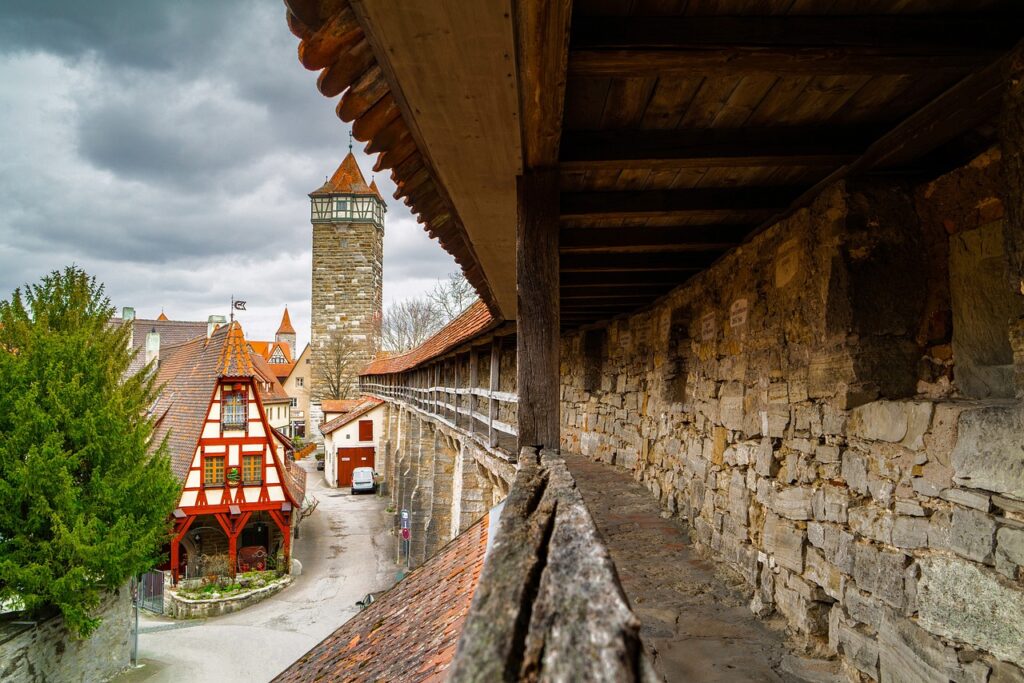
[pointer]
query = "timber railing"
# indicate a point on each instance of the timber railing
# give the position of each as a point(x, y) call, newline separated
point(470, 389)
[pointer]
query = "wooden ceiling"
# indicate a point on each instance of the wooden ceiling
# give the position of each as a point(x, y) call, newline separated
point(678, 128)
point(689, 125)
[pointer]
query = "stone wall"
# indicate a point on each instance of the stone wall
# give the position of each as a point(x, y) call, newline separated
point(800, 405)
point(44, 651)
point(444, 478)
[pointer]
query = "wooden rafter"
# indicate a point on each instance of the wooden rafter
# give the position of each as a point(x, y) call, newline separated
point(682, 238)
point(655, 46)
point(698, 203)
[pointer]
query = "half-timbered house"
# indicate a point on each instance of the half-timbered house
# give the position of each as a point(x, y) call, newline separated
point(239, 489)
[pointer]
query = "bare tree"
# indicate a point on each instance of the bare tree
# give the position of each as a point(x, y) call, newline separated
point(409, 323)
point(338, 365)
point(452, 296)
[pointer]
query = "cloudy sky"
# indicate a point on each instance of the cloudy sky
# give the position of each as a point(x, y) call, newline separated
point(168, 148)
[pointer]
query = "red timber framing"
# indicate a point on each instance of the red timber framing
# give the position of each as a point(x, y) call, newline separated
point(234, 508)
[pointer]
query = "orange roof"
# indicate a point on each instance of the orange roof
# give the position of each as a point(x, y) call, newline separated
point(286, 324)
point(348, 179)
point(342, 405)
point(410, 633)
point(367, 403)
point(373, 186)
point(474, 321)
point(234, 358)
point(162, 316)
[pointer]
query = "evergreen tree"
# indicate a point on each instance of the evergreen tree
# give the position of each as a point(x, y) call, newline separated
point(84, 504)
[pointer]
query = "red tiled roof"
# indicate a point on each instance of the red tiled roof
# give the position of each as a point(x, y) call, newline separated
point(162, 317)
point(235, 360)
point(265, 372)
point(348, 179)
point(341, 405)
point(368, 403)
point(474, 321)
point(172, 333)
point(282, 370)
point(410, 633)
point(286, 324)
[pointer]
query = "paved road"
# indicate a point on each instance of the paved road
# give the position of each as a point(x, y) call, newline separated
point(345, 551)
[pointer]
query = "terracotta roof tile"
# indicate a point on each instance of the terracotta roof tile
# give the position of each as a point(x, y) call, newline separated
point(348, 179)
point(162, 317)
point(474, 321)
point(265, 372)
point(410, 633)
point(286, 324)
point(367, 404)
point(172, 333)
point(341, 405)
point(235, 360)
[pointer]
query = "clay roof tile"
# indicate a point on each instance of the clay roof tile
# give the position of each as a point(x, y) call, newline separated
point(286, 324)
point(348, 179)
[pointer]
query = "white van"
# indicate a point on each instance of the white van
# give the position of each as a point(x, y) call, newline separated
point(362, 480)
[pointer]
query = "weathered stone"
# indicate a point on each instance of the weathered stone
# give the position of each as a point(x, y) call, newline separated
point(893, 421)
point(730, 405)
point(909, 507)
point(871, 522)
point(988, 453)
point(1009, 550)
point(880, 572)
point(830, 503)
point(968, 498)
point(823, 573)
point(855, 470)
point(939, 529)
point(792, 502)
point(784, 542)
point(910, 532)
point(826, 454)
point(909, 654)
point(972, 534)
point(863, 608)
point(961, 600)
point(1004, 672)
point(860, 649)
point(805, 614)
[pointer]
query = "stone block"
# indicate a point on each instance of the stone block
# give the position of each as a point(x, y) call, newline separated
point(1004, 672)
point(1009, 550)
point(784, 542)
point(972, 534)
point(880, 572)
point(792, 502)
point(826, 453)
point(855, 470)
point(966, 602)
point(765, 463)
point(863, 608)
point(860, 649)
point(968, 498)
point(823, 573)
point(909, 654)
point(871, 522)
point(730, 405)
point(909, 507)
point(910, 532)
point(804, 614)
point(988, 453)
point(903, 422)
point(939, 529)
point(830, 503)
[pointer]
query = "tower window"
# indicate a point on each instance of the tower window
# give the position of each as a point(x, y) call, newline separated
point(233, 409)
point(340, 205)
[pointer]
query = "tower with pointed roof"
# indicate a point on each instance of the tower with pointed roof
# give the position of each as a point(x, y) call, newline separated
point(286, 333)
point(347, 298)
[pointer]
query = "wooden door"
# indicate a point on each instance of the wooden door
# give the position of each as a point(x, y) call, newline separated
point(351, 458)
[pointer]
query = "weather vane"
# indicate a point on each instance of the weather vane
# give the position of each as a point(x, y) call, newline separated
point(350, 141)
point(236, 306)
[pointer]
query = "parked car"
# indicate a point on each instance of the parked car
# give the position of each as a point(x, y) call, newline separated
point(363, 480)
point(320, 464)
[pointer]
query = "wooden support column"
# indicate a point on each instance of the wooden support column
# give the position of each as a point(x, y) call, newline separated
point(537, 333)
point(458, 402)
point(495, 385)
point(473, 381)
point(175, 550)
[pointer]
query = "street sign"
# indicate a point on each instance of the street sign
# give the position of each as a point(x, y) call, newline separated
point(405, 533)
point(405, 515)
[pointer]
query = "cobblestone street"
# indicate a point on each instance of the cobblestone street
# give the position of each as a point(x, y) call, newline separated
point(345, 552)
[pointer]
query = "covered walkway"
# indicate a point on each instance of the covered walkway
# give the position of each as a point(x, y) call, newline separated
point(695, 625)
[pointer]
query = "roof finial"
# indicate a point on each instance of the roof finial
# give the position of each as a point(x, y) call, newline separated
point(350, 142)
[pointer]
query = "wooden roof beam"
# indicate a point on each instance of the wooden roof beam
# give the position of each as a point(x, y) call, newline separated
point(701, 203)
point(680, 264)
point(651, 239)
point(596, 150)
point(583, 279)
point(653, 46)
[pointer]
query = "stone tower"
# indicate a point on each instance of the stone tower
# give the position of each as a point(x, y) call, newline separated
point(348, 249)
point(286, 333)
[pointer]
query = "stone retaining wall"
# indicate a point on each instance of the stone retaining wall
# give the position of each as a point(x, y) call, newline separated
point(44, 651)
point(178, 607)
point(799, 404)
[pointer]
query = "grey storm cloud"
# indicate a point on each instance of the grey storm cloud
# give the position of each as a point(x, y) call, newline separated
point(168, 148)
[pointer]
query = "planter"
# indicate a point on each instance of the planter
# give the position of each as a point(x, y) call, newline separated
point(180, 607)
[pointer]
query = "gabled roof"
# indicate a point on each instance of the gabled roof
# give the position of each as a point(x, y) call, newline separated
point(348, 179)
point(341, 405)
point(474, 321)
point(286, 324)
point(367, 404)
point(267, 349)
point(162, 316)
point(410, 633)
point(265, 373)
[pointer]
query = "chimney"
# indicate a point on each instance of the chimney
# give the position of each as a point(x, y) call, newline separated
point(213, 322)
point(128, 318)
point(153, 347)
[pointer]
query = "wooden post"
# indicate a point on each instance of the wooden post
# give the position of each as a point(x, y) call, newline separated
point(495, 385)
point(455, 364)
point(473, 381)
point(537, 333)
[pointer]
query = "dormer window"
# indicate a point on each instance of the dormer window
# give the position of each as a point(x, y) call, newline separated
point(233, 413)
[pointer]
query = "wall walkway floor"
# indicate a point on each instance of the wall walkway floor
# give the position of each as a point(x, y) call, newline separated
point(695, 623)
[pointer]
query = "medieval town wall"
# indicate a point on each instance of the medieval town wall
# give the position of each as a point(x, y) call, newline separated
point(445, 480)
point(45, 652)
point(832, 408)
